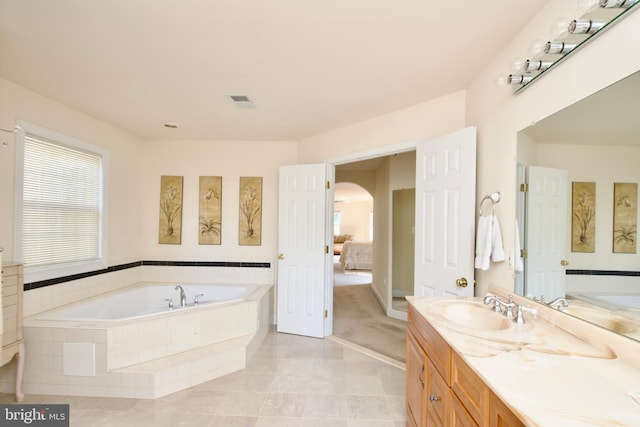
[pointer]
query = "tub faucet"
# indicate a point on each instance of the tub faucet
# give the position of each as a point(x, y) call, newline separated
point(183, 297)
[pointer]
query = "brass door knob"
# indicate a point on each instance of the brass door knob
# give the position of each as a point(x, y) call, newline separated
point(462, 282)
point(564, 262)
point(281, 256)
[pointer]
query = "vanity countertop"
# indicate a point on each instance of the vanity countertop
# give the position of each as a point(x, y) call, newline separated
point(554, 370)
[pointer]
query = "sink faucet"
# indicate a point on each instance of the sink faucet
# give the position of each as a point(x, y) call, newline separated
point(520, 313)
point(496, 302)
point(559, 303)
point(183, 297)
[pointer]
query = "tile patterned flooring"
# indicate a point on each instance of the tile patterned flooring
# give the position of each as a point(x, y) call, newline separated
point(291, 381)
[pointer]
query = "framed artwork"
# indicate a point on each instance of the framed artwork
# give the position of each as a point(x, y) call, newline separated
point(625, 217)
point(250, 217)
point(170, 227)
point(583, 214)
point(210, 210)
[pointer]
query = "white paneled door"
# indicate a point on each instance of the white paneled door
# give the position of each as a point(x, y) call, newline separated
point(445, 215)
point(302, 256)
point(546, 236)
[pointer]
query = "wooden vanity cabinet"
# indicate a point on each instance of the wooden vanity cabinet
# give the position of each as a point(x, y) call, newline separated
point(442, 390)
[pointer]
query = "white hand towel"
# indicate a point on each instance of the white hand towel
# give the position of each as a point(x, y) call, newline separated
point(497, 250)
point(483, 243)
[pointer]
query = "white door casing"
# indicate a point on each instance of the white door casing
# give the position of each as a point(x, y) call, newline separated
point(445, 214)
point(302, 269)
point(546, 236)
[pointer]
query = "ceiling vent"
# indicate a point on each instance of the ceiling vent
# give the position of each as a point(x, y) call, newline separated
point(242, 101)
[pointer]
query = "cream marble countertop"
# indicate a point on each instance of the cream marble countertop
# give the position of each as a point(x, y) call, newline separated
point(554, 370)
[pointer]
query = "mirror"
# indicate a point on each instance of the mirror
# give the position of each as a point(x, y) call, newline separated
point(595, 141)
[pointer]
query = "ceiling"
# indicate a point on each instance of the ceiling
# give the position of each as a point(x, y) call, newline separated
point(309, 66)
point(608, 117)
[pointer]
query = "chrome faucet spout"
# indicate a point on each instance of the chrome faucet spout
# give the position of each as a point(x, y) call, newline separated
point(559, 303)
point(183, 297)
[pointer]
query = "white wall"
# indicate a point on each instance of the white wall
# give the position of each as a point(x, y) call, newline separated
point(231, 160)
point(124, 184)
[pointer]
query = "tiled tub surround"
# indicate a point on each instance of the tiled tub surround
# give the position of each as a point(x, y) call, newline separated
point(554, 370)
point(145, 357)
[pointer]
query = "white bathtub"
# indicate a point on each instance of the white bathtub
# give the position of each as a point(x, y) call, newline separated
point(147, 299)
point(129, 343)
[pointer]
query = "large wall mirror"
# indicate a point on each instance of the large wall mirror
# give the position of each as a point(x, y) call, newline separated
point(577, 220)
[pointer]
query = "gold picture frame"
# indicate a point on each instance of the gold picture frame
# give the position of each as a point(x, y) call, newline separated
point(250, 216)
point(170, 224)
point(210, 210)
point(625, 217)
point(583, 217)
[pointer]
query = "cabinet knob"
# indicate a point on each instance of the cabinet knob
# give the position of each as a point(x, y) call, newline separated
point(434, 398)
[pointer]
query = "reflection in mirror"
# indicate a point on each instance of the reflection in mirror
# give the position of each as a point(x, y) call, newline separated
point(567, 222)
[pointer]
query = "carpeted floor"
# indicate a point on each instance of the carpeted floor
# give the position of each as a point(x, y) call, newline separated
point(359, 318)
point(349, 277)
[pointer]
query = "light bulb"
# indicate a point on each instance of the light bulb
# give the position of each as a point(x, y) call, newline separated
point(585, 6)
point(560, 28)
point(537, 48)
point(517, 66)
point(501, 80)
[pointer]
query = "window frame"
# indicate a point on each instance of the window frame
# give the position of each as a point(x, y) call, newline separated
point(40, 273)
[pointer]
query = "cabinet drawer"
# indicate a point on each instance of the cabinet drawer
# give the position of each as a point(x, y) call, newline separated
point(9, 270)
point(434, 345)
point(469, 388)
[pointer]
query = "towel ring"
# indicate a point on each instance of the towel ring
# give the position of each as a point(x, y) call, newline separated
point(494, 198)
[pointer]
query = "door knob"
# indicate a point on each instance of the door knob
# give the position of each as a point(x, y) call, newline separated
point(462, 282)
point(281, 256)
point(564, 262)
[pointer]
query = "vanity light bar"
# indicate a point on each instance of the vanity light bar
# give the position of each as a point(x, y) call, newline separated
point(618, 3)
point(585, 26)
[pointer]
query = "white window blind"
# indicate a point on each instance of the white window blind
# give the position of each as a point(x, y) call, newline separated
point(62, 203)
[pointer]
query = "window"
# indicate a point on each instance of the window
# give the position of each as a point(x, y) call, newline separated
point(337, 218)
point(60, 228)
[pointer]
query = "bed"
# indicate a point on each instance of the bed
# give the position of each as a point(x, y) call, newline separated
point(356, 255)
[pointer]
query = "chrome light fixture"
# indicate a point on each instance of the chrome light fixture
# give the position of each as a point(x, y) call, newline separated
point(569, 35)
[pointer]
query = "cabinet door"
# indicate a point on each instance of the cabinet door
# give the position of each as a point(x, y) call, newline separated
point(438, 399)
point(470, 389)
point(415, 387)
point(500, 415)
point(459, 415)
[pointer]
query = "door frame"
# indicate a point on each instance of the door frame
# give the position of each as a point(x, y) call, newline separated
point(386, 150)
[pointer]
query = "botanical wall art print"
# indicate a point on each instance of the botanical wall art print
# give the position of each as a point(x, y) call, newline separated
point(170, 227)
point(583, 217)
point(250, 217)
point(625, 217)
point(210, 210)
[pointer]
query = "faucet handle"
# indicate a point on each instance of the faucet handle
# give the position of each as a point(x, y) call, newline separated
point(195, 299)
point(170, 300)
point(520, 313)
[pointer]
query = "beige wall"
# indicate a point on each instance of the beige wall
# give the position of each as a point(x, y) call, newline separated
point(499, 115)
point(603, 165)
point(126, 160)
point(355, 219)
point(231, 160)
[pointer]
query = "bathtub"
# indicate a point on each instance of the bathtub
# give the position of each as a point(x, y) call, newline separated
point(148, 299)
point(129, 343)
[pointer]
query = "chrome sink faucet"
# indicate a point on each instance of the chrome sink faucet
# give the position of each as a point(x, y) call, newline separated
point(559, 303)
point(520, 313)
point(183, 297)
point(496, 302)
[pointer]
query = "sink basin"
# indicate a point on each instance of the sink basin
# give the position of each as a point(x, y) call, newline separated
point(603, 318)
point(472, 315)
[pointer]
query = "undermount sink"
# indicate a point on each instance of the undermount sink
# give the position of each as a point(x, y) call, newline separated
point(603, 318)
point(472, 315)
